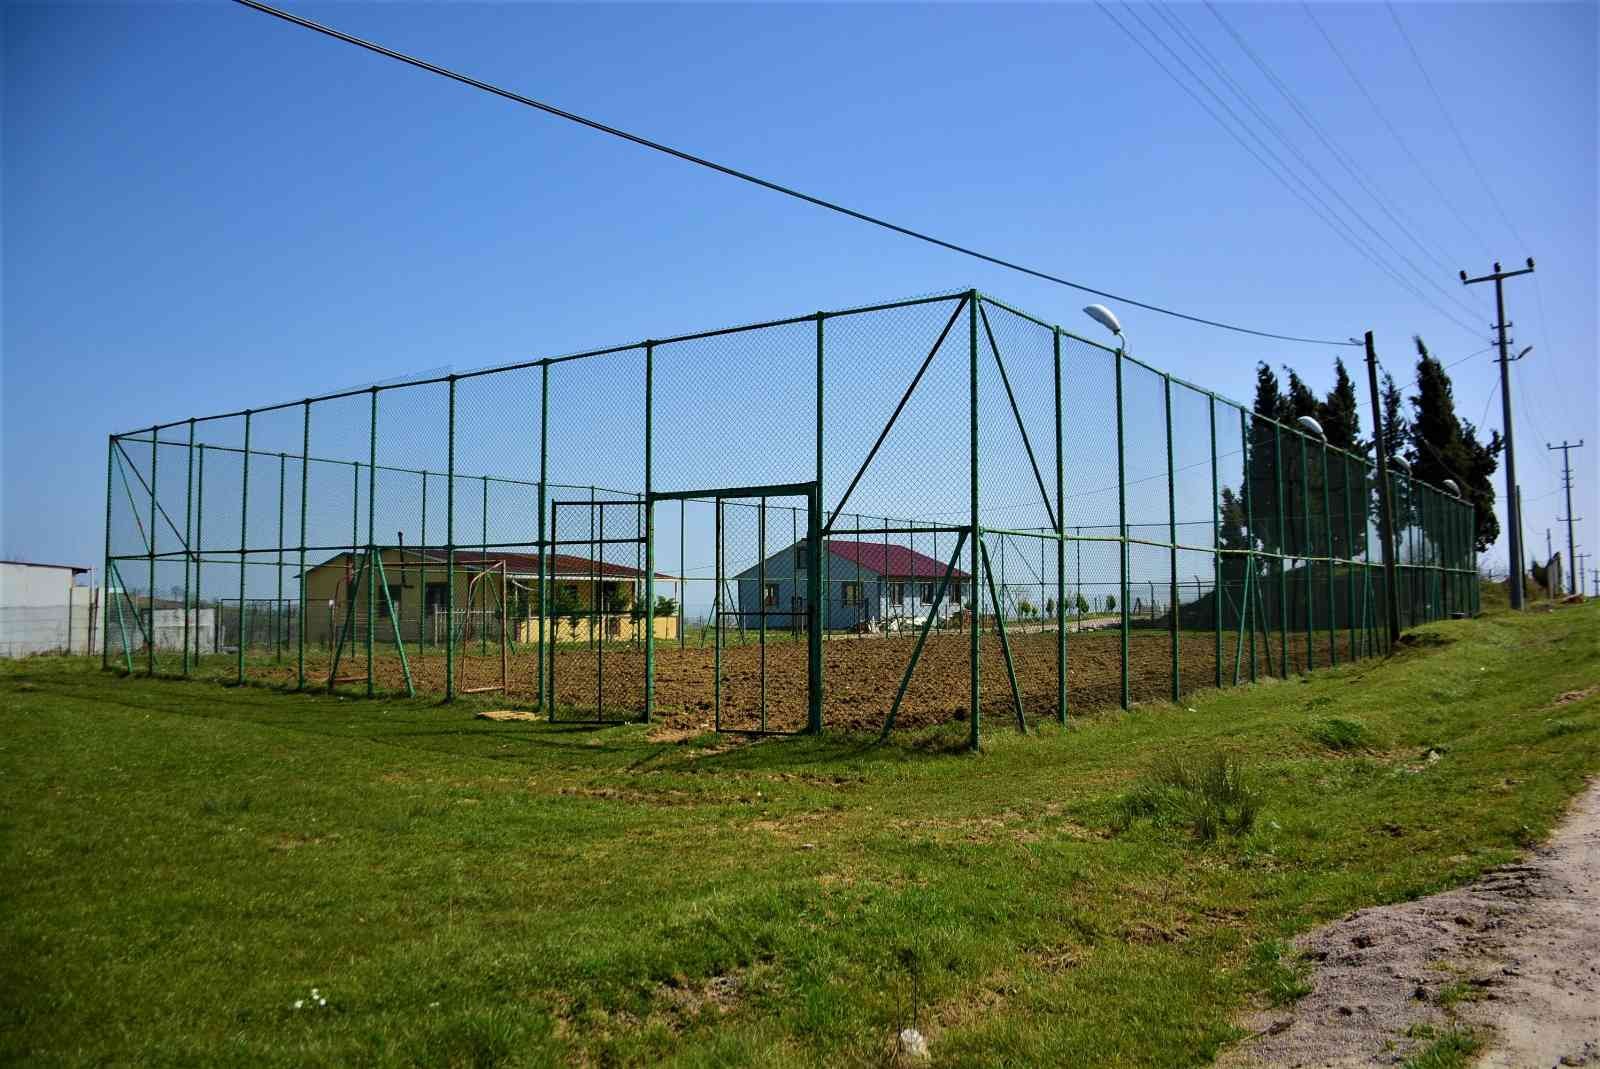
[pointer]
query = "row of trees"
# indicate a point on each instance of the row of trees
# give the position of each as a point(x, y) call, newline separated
point(1301, 504)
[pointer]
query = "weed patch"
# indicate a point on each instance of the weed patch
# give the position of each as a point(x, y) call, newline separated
point(1207, 796)
point(1341, 733)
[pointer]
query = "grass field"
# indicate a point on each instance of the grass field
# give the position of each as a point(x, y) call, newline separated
point(183, 863)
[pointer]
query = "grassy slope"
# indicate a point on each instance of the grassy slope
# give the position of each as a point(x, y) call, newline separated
point(179, 862)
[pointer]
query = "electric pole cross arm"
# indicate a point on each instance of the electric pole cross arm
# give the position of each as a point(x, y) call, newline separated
point(1513, 506)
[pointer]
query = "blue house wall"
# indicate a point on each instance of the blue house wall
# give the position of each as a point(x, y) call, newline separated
point(872, 608)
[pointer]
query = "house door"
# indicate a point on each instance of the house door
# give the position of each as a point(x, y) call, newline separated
point(748, 563)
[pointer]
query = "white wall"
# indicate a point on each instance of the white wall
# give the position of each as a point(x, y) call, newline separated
point(35, 586)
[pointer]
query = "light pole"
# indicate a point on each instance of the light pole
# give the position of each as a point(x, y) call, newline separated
point(1104, 316)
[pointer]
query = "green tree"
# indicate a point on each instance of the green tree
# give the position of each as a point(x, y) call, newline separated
point(1445, 447)
point(1338, 413)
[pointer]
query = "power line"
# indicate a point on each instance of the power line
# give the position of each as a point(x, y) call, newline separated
point(1400, 141)
point(1454, 129)
point(1344, 161)
point(756, 180)
point(1324, 212)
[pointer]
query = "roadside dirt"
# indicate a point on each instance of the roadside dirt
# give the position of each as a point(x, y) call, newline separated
point(1514, 955)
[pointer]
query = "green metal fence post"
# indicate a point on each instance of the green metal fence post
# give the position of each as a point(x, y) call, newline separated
point(761, 605)
point(277, 609)
point(716, 616)
point(544, 696)
point(1172, 544)
point(649, 535)
point(372, 513)
point(547, 572)
point(1216, 543)
point(1122, 536)
point(450, 551)
point(200, 551)
point(973, 670)
point(244, 538)
point(1308, 569)
point(1061, 544)
point(1350, 557)
point(1327, 519)
point(814, 557)
point(483, 564)
point(422, 569)
point(817, 578)
point(188, 551)
point(1247, 441)
point(105, 570)
point(305, 491)
point(1283, 556)
point(150, 635)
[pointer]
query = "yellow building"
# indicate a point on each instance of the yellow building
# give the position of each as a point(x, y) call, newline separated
point(588, 598)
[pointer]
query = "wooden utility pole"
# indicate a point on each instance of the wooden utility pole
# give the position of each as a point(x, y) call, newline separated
point(1513, 506)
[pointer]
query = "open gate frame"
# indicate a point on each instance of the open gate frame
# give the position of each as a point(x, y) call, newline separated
point(1220, 544)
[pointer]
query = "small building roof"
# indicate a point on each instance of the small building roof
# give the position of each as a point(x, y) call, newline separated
point(75, 569)
point(890, 560)
point(564, 565)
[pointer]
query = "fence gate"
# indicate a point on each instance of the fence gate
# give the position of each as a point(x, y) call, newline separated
point(597, 612)
point(757, 664)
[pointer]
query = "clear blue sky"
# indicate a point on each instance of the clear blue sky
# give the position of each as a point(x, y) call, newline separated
point(206, 209)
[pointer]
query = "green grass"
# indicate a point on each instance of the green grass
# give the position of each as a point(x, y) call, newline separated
point(1452, 1048)
point(181, 862)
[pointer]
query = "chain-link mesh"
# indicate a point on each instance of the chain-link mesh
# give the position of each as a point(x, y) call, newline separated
point(629, 533)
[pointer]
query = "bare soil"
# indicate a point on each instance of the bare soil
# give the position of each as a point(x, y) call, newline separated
point(1515, 954)
point(861, 676)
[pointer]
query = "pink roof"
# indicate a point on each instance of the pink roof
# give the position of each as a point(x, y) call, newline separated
point(890, 560)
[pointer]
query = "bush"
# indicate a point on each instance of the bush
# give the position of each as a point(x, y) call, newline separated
point(1207, 796)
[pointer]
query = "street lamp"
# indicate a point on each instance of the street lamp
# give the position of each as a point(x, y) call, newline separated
point(1311, 426)
point(1106, 318)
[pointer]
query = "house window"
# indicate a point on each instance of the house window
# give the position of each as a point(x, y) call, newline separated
point(897, 593)
point(436, 597)
point(800, 555)
point(769, 596)
point(394, 597)
point(926, 593)
point(850, 593)
point(955, 591)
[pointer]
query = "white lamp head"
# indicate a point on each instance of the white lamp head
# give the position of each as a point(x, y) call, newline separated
point(1105, 317)
point(1450, 485)
point(1311, 426)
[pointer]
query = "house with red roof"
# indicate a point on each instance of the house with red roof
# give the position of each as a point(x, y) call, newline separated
point(588, 594)
point(871, 584)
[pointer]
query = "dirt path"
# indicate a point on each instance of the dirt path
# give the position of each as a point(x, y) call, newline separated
point(1515, 955)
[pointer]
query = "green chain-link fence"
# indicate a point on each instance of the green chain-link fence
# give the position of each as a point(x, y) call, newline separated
point(893, 515)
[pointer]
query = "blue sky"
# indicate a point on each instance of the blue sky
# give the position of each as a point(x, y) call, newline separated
point(206, 209)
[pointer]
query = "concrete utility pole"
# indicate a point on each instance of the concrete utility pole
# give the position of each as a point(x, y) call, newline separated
point(1513, 506)
point(1391, 588)
point(1576, 581)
